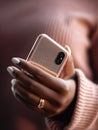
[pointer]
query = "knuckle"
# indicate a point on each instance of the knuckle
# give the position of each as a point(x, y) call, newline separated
point(62, 101)
point(65, 89)
point(59, 102)
point(57, 110)
point(54, 110)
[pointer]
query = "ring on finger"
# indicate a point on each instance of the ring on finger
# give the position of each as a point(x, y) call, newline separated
point(41, 103)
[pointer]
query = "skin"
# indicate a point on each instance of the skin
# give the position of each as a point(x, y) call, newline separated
point(58, 93)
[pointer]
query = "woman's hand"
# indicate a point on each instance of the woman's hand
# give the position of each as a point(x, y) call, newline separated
point(33, 86)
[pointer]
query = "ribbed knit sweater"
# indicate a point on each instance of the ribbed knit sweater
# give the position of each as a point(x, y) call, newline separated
point(74, 23)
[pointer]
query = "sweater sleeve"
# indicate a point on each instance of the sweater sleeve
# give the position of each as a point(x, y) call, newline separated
point(85, 111)
point(85, 115)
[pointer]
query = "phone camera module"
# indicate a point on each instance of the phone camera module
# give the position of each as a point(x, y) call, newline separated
point(59, 58)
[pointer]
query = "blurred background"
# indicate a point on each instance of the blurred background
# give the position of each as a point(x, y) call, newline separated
point(21, 21)
point(17, 34)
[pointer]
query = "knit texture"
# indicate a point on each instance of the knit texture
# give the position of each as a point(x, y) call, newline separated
point(85, 116)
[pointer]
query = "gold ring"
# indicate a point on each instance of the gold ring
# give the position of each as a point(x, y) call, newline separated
point(41, 103)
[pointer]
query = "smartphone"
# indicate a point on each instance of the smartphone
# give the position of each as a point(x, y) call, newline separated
point(48, 54)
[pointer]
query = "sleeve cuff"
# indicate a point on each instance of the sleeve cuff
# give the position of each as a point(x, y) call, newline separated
point(86, 107)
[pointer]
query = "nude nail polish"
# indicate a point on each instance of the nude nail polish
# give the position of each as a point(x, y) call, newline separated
point(12, 88)
point(13, 81)
point(10, 70)
point(16, 60)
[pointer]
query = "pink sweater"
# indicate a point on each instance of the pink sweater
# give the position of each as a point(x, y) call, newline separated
point(85, 116)
point(71, 22)
point(78, 30)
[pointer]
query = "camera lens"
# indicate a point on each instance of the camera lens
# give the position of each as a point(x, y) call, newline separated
point(59, 58)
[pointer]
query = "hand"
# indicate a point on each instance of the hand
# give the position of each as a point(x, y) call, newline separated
point(31, 83)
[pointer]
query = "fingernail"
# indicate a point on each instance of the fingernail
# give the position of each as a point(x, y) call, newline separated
point(10, 70)
point(16, 60)
point(13, 81)
point(12, 88)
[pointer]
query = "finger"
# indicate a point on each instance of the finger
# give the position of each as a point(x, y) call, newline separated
point(30, 99)
point(17, 88)
point(18, 74)
point(44, 77)
point(35, 87)
point(31, 68)
point(41, 111)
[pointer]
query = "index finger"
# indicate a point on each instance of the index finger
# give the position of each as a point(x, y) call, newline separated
point(46, 78)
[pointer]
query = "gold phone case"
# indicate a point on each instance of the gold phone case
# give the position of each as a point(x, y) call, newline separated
point(48, 54)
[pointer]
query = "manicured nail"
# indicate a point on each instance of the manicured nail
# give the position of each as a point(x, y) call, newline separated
point(12, 88)
point(10, 70)
point(16, 60)
point(13, 81)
